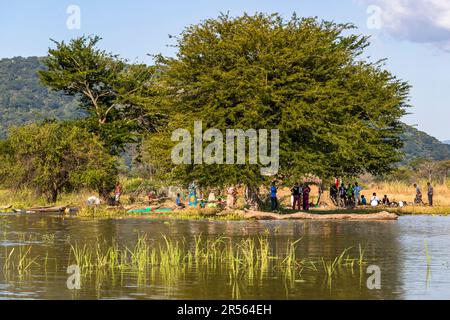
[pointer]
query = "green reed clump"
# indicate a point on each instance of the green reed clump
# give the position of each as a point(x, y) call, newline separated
point(249, 258)
point(20, 260)
point(242, 262)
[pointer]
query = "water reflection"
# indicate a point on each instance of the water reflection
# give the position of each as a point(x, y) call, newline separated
point(397, 247)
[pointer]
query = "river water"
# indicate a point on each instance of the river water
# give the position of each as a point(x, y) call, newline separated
point(412, 255)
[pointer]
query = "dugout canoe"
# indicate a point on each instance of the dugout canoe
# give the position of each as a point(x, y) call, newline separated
point(259, 215)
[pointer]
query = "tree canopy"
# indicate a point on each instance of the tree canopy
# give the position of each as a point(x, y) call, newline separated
point(52, 157)
point(337, 113)
point(118, 97)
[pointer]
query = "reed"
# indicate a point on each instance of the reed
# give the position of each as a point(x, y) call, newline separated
point(427, 254)
point(169, 260)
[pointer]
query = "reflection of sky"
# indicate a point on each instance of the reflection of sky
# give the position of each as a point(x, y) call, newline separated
point(397, 247)
point(413, 232)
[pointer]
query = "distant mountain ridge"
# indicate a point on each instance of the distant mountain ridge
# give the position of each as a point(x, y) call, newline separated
point(446, 141)
point(23, 99)
point(418, 144)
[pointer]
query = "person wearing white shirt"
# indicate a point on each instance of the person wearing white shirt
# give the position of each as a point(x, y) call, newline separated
point(374, 201)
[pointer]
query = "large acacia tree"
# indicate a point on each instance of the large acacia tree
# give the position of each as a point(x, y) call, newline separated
point(337, 113)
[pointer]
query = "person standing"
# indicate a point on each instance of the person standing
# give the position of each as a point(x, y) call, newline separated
point(117, 193)
point(350, 195)
point(296, 191)
point(342, 195)
point(273, 196)
point(430, 194)
point(306, 190)
point(334, 194)
point(357, 192)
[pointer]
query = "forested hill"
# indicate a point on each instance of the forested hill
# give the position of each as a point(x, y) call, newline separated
point(418, 144)
point(23, 99)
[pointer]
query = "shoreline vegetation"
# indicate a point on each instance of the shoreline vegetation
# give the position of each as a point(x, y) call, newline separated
point(26, 201)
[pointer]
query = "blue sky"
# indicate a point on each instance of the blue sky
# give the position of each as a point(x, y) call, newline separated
point(414, 35)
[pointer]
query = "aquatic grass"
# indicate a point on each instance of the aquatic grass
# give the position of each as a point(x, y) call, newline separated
point(20, 260)
point(83, 257)
point(427, 254)
point(241, 261)
point(331, 267)
point(8, 260)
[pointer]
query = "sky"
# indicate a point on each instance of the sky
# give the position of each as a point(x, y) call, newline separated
point(414, 35)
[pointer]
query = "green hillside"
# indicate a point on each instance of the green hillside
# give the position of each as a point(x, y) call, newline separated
point(23, 99)
point(418, 144)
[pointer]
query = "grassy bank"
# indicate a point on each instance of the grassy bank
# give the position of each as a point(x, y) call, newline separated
point(396, 191)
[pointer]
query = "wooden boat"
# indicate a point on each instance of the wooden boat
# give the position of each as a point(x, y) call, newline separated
point(22, 211)
point(258, 215)
point(42, 210)
point(47, 209)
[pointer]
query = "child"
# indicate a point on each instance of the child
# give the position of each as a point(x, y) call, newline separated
point(363, 200)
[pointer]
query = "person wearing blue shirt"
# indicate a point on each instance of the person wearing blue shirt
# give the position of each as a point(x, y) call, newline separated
point(178, 201)
point(273, 196)
point(363, 200)
point(357, 192)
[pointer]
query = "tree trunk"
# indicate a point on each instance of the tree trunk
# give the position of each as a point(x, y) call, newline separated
point(52, 195)
point(104, 193)
point(252, 198)
point(320, 193)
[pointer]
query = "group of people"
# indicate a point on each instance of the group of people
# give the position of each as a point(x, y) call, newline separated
point(351, 196)
point(213, 200)
point(346, 196)
point(339, 193)
point(375, 201)
point(430, 192)
point(300, 194)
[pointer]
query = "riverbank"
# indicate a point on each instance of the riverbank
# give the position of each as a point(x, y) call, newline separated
point(25, 200)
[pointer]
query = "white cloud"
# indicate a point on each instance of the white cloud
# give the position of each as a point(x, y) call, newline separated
point(423, 21)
